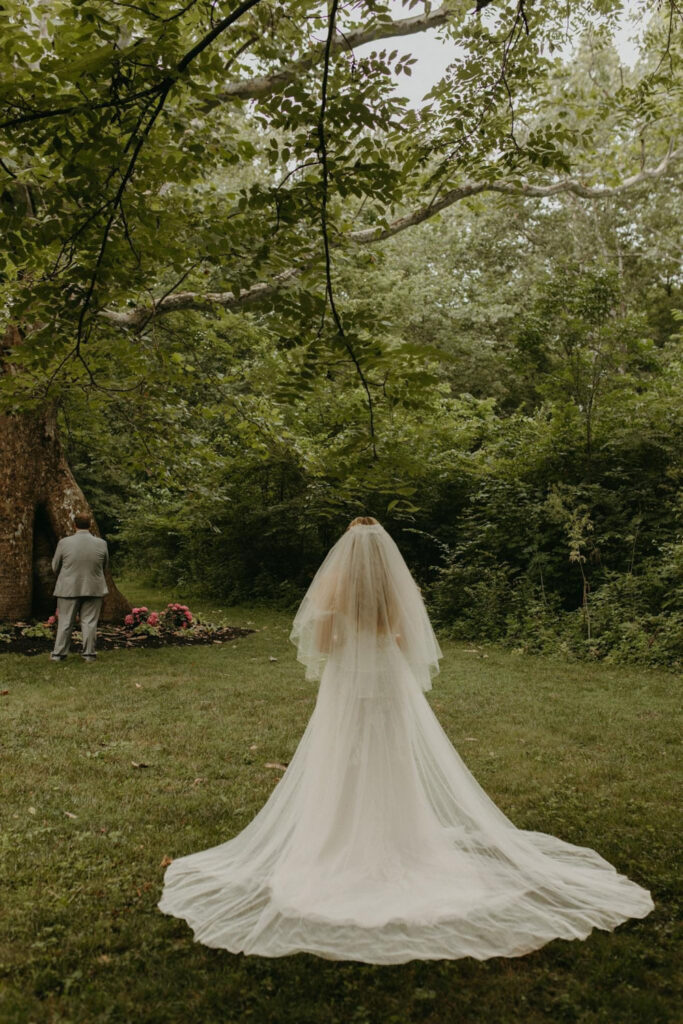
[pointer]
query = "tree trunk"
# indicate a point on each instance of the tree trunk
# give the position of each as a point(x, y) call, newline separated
point(38, 497)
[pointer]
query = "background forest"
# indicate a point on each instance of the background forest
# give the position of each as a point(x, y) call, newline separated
point(505, 393)
point(527, 393)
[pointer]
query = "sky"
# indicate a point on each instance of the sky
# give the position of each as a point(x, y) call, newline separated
point(434, 55)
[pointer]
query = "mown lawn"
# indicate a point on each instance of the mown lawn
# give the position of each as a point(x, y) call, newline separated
point(109, 769)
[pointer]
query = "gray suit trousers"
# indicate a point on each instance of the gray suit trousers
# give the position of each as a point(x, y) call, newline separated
point(69, 608)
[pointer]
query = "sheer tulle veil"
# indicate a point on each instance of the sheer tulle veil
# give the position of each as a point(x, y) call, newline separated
point(363, 597)
point(378, 844)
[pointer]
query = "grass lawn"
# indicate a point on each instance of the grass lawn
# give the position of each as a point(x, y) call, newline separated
point(107, 769)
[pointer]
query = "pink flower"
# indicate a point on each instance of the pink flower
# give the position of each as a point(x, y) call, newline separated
point(51, 621)
point(153, 619)
point(188, 615)
point(129, 620)
point(143, 609)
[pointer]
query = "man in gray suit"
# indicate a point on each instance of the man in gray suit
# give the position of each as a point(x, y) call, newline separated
point(79, 562)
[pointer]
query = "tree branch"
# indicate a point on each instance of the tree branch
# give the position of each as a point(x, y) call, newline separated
point(571, 185)
point(139, 316)
point(142, 132)
point(263, 85)
point(136, 319)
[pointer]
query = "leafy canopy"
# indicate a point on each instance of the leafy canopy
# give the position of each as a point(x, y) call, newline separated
point(168, 155)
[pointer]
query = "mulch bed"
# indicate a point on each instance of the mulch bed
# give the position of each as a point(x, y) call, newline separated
point(113, 637)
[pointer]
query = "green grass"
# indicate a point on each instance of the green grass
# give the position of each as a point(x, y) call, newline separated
point(584, 752)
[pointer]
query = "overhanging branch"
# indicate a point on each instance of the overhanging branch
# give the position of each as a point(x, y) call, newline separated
point(523, 190)
point(138, 317)
point(263, 85)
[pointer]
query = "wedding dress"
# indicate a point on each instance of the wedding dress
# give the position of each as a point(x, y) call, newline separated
point(377, 844)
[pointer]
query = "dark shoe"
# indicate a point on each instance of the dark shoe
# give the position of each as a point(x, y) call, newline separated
point(58, 657)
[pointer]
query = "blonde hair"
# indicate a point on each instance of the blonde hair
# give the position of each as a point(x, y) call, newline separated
point(386, 601)
point(363, 521)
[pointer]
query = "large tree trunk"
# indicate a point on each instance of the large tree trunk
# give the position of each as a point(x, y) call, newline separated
point(38, 497)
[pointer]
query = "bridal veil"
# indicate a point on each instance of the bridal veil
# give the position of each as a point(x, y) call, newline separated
point(362, 600)
point(378, 844)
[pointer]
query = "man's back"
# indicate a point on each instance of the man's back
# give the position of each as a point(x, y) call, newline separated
point(80, 561)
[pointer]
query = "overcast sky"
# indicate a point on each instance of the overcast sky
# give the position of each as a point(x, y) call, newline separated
point(434, 55)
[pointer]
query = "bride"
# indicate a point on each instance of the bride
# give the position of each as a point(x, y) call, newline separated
point(377, 844)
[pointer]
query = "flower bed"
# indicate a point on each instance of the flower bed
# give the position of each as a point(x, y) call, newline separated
point(176, 625)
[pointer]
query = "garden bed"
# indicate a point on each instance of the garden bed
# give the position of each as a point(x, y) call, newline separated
point(14, 641)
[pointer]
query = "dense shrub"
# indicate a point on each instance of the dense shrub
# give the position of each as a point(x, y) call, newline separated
point(633, 617)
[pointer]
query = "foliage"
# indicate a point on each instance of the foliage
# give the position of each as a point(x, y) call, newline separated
point(37, 629)
point(146, 629)
point(176, 616)
point(515, 499)
point(140, 155)
point(503, 387)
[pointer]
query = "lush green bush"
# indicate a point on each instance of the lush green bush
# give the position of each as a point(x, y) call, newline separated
point(633, 618)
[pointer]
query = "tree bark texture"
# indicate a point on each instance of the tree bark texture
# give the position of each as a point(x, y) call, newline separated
point(38, 498)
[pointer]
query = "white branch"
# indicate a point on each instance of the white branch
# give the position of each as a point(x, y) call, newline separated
point(263, 85)
point(509, 189)
point(138, 317)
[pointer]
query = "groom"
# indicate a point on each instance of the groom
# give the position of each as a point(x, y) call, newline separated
point(79, 562)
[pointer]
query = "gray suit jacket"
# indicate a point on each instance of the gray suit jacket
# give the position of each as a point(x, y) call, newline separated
point(79, 562)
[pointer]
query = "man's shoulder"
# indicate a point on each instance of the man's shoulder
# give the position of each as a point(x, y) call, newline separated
point(97, 541)
point(82, 538)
